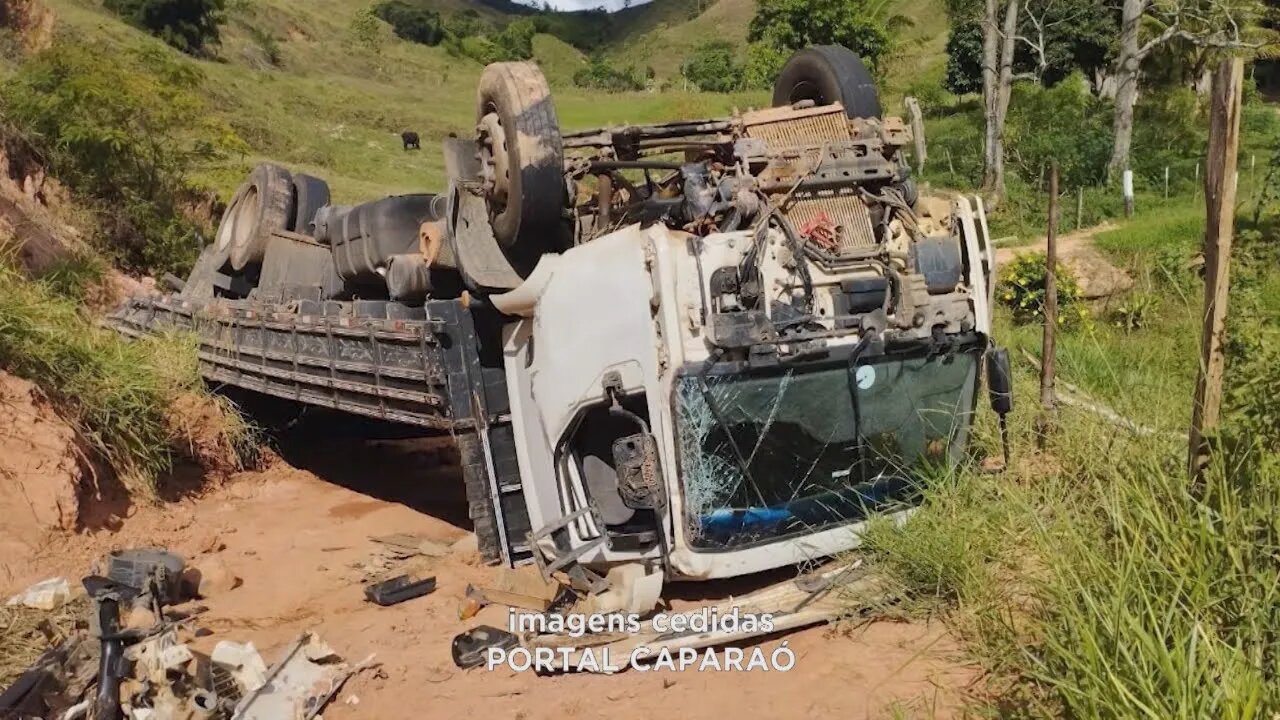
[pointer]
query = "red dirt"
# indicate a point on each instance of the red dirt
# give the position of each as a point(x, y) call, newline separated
point(41, 472)
point(298, 542)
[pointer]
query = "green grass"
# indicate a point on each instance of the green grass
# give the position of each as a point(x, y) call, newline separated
point(1093, 579)
point(118, 394)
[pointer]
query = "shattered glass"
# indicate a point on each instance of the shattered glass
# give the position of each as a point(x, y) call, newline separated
point(771, 455)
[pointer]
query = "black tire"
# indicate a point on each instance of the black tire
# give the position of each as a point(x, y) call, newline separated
point(479, 500)
point(223, 238)
point(828, 74)
point(266, 206)
point(309, 195)
point(527, 212)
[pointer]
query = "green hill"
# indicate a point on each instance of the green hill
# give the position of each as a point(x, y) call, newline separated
point(335, 107)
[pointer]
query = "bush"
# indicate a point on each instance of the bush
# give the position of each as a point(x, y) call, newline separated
point(1064, 123)
point(514, 42)
point(859, 25)
point(189, 25)
point(712, 68)
point(764, 63)
point(411, 22)
point(122, 136)
point(600, 75)
point(364, 30)
point(1022, 290)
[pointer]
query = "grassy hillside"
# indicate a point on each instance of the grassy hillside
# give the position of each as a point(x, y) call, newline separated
point(334, 107)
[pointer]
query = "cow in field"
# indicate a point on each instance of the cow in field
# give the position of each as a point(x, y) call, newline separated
point(411, 140)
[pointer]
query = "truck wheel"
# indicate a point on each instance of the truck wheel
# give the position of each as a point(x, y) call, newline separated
point(309, 195)
point(523, 158)
point(226, 228)
point(265, 207)
point(828, 74)
point(475, 476)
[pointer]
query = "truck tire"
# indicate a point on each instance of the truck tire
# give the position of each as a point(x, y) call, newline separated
point(265, 207)
point(309, 195)
point(475, 476)
point(519, 138)
point(828, 74)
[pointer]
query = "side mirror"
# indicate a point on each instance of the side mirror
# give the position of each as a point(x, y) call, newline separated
point(639, 482)
point(1000, 381)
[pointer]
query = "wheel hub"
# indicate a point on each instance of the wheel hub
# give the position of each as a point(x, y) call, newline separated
point(494, 160)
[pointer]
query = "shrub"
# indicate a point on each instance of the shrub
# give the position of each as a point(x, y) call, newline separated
point(859, 25)
point(189, 25)
point(1064, 123)
point(122, 136)
point(514, 42)
point(712, 68)
point(364, 30)
point(1022, 289)
point(411, 22)
point(1135, 311)
point(764, 63)
point(601, 75)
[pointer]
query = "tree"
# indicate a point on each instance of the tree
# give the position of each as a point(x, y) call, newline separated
point(189, 25)
point(1056, 38)
point(712, 68)
point(860, 25)
point(999, 40)
point(599, 74)
point(1205, 24)
point(411, 22)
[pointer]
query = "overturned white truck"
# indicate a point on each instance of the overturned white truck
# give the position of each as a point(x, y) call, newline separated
point(668, 352)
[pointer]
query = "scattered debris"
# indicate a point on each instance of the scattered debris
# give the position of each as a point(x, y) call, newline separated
point(48, 594)
point(477, 598)
point(300, 685)
point(236, 670)
point(399, 589)
point(469, 647)
point(131, 659)
point(808, 600)
point(148, 568)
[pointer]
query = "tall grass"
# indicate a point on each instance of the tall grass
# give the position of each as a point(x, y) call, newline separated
point(118, 394)
point(1093, 579)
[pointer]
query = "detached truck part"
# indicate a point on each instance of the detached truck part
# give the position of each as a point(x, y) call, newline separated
point(691, 350)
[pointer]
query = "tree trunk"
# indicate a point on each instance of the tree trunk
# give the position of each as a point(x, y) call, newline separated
point(1003, 94)
point(1128, 65)
point(990, 57)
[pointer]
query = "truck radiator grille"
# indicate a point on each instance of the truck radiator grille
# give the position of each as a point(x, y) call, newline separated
point(846, 214)
point(787, 128)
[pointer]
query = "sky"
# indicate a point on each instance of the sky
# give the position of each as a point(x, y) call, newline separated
point(582, 4)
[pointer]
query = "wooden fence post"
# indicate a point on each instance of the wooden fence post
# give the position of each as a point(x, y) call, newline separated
point(917, 132)
point(1048, 403)
point(1220, 183)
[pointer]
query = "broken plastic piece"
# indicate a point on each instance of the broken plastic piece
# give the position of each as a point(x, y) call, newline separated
point(468, 647)
point(48, 594)
point(398, 589)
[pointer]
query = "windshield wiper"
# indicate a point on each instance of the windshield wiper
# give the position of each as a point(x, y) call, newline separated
point(709, 398)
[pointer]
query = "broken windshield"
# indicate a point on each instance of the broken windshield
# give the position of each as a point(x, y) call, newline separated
point(776, 454)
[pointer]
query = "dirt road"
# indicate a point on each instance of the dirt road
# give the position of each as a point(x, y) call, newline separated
point(1098, 276)
point(298, 531)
